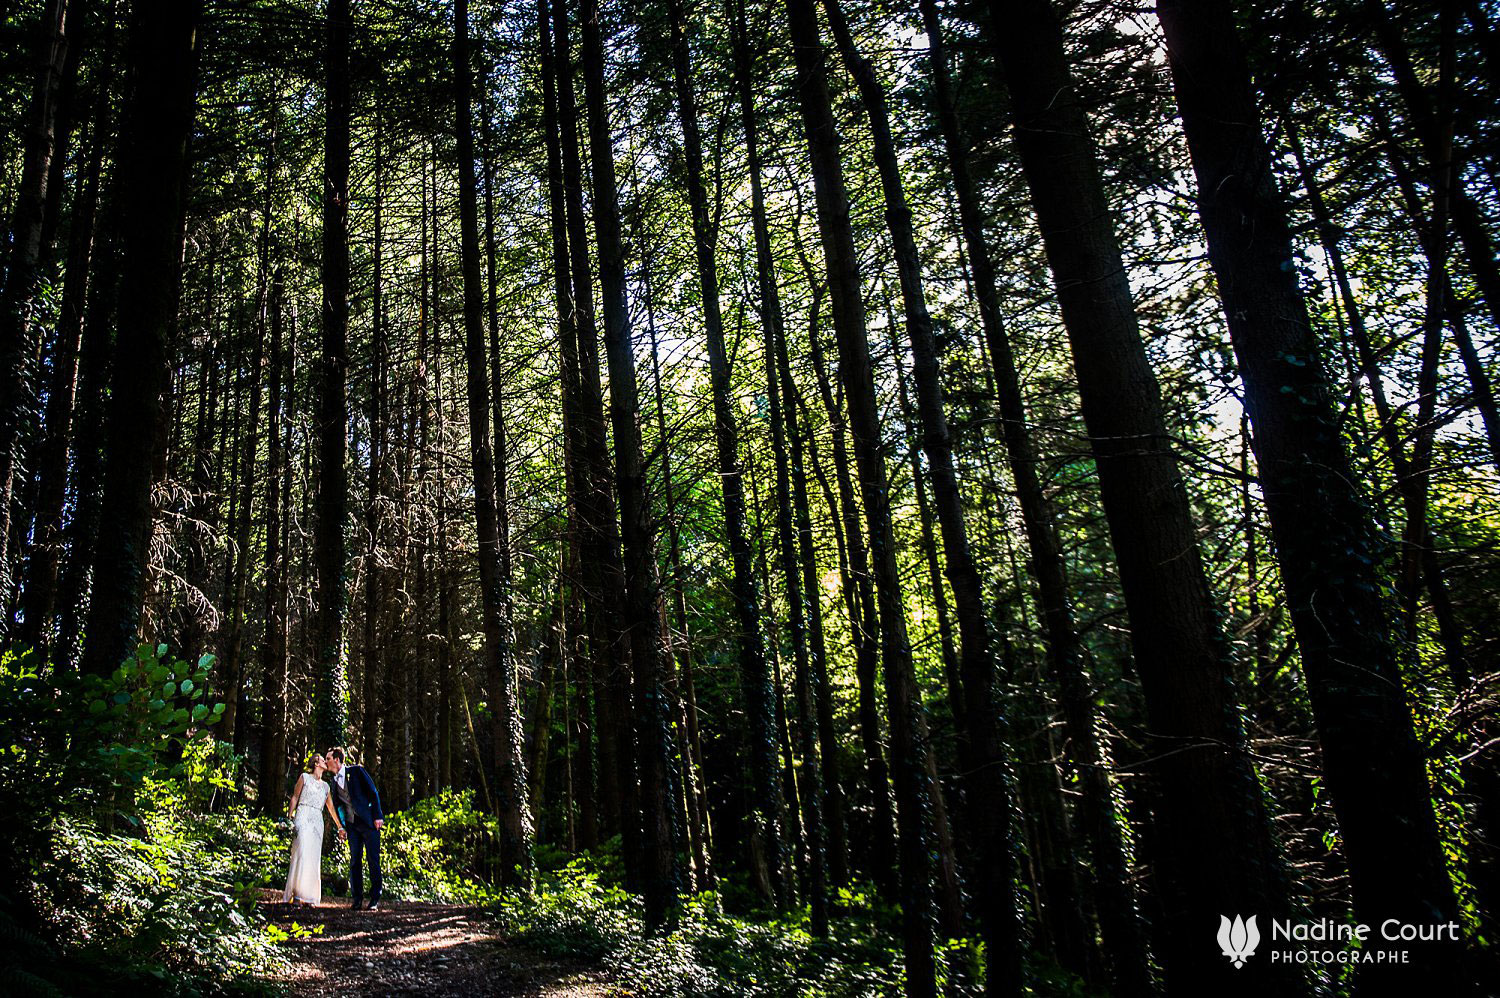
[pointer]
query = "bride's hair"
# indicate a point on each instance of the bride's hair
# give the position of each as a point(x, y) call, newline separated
point(311, 764)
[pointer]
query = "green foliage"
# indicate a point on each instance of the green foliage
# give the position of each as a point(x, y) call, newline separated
point(110, 880)
point(93, 734)
point(172, 912)
point(436, 850)
point(708, 953)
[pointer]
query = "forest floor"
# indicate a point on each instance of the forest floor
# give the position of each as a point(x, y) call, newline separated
point(415, 948)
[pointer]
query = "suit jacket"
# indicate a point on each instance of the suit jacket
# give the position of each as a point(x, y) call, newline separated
point(357, 800)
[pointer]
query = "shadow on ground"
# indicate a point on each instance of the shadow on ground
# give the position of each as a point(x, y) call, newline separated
point(414, 948)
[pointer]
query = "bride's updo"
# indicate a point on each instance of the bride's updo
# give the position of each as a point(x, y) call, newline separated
point(311, 766)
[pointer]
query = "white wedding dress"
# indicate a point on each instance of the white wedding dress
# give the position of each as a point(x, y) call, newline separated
point(304, 878)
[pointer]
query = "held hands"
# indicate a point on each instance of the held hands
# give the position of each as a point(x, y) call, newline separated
point(343, 835)
point(379, 822)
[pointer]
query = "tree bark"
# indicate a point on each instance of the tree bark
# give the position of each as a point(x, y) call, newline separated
point(988, 795)
point(604, 573)
point(17, 351)
point(908, 727)
point(643, 613)
point(510, 764)
point(1120, 929)
point(153, 178)
point(330, 713)
point(273, 738)
point(1327, 548)
point(52, 462)
point(1218, 853)
point(860, 607)
point(755, 675)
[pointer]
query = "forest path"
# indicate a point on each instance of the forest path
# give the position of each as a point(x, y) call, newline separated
point(414, 948)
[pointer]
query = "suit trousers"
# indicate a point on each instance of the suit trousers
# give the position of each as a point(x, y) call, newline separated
point(364, 840)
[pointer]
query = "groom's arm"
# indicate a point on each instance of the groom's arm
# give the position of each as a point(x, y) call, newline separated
point(374, 793)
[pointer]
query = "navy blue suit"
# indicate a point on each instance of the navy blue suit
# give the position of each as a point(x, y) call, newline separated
point(358, 804)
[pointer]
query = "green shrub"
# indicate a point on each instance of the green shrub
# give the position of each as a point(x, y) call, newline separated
point(436, 850)
point(109, 878)
point(708, 954)
point(173, 911)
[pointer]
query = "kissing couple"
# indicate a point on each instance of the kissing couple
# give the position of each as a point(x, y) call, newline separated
point(351, 800)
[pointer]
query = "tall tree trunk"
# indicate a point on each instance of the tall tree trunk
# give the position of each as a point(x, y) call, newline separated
point(52, 461)
point(610, 643)
point(510, 764)
point(987, 795)
point(502, 447)
point(273, 734)
point(374, 643)
point(643, 617)
point(860, 607)
point(600, 579)
point(755, 675)
point(330, 716)
point(1218, 854)
point(908, 728)
point(233, 646)
point(1420, 546)
point(699, 833)
point(1327, 548)
point(153, 181)
point(94, 365)
point(780, 386)
point(1120, 928)
point(17, 351)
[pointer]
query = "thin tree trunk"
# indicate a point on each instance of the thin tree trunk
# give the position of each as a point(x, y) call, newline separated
point(755, 675)
point(94, 366)
point(52, 463)
point(233, 645)
point(860, 606)
point(1421, 560)
point(502, 447)
point(984, 759)
point(273, 745)
point(610, 645)
point(692, 746)
point(643, 616)
point(592, 509)
point(370, 713)
point(17, 351)
point(908, 728)
point(1120, 928)
point(510, 764)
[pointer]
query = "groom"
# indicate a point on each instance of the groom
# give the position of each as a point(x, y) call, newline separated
point(358, 802)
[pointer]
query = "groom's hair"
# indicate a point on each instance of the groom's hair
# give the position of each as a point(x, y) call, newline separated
point(336, 753)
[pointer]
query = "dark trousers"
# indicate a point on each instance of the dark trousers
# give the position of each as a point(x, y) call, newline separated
point(364, 840)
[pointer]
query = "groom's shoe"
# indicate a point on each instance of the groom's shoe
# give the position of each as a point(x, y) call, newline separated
point(374, 905)
point(357, 904)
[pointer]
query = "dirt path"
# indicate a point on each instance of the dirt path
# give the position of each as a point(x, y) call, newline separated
point(411, 948)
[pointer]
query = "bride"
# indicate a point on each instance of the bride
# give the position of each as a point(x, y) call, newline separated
point(304, 879)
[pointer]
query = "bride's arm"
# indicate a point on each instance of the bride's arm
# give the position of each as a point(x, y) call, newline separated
point(328, 803)
point(291, 809)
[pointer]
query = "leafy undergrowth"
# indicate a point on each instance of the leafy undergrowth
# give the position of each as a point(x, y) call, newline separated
point(123, 870)
point(708, 953)
point(113, 876)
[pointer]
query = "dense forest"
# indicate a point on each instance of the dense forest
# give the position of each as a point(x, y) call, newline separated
point(1018, 477)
